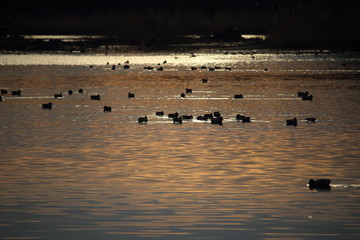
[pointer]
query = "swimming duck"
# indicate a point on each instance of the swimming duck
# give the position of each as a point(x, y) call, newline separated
point(95, 97)
point(47, 105)
point(187, 117)
point(217, 114)
point(80, 90)
point(70, 92)
point(204, 80)
point(238, 96)
point(160, 113)
point(319, 184)
point(310, 119)
point(217, 120)
point(246, 119)
point(291, 122)
point(182, 95)
point(4, 91)
point(201, 118)
point(58, 95)
point(107, 109)
point(307, 97)
point(143, 119)
point(131, 95)
point(188, 90)
point(239, 117)
point(173, 115)
point(16, 93)
point(177, 120)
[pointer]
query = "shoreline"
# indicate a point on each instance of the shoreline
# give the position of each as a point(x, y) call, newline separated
point(116, 46)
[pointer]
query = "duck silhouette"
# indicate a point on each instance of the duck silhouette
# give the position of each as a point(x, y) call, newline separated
point(107, 109)
point(310, 119)
point(16, 93)
point(47, 105)
point(291, 122)
point(95, 97)
point(320, 184)
point(177, 120)
point(143, 119)
point(161, 113)
point(58, 95)
point(173, 115)
point(187, 117)
point(217, 120)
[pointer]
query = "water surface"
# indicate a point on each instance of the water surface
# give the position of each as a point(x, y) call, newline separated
point(76, 172)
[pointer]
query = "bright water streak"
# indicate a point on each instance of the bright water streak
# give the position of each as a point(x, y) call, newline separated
point(75, 172)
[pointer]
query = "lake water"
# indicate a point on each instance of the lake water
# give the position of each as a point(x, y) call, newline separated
point(76, 172)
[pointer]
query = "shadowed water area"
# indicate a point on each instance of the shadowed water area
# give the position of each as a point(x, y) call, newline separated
point(77, 172)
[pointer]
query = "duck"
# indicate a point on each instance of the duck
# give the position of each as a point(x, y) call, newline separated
point(246, 119)
point(204, 80)
point(80, 90)
point(173, 115)
point(143, 119)
point(113, 67)
point(95, 97)
point(217, 114)
point(188, 90)
point(238, 96)
point(307, 97)
point(70, 92)
point(182, 95)
point(208, 115)
point(47, 105)
point(187, 117)
point(310, 119)
point(58, 95)
point(300, 93)
point(319, 184)
point(107, 109)
point(193, 68)
point(4, 91)
point(131, 95)
point(291, 122)
point(217, 120)
point(161, 113)
point(201, 118)
point(177, 120)
point(16, 93)
point(126, 66)
point(160, 68)
point(240, 117)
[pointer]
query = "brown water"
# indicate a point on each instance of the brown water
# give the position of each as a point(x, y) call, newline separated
point(76, 172)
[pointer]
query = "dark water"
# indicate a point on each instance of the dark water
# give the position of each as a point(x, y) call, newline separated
point(76, 172)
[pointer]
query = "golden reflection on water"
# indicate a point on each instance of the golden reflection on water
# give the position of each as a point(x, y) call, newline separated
point(78, 170)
